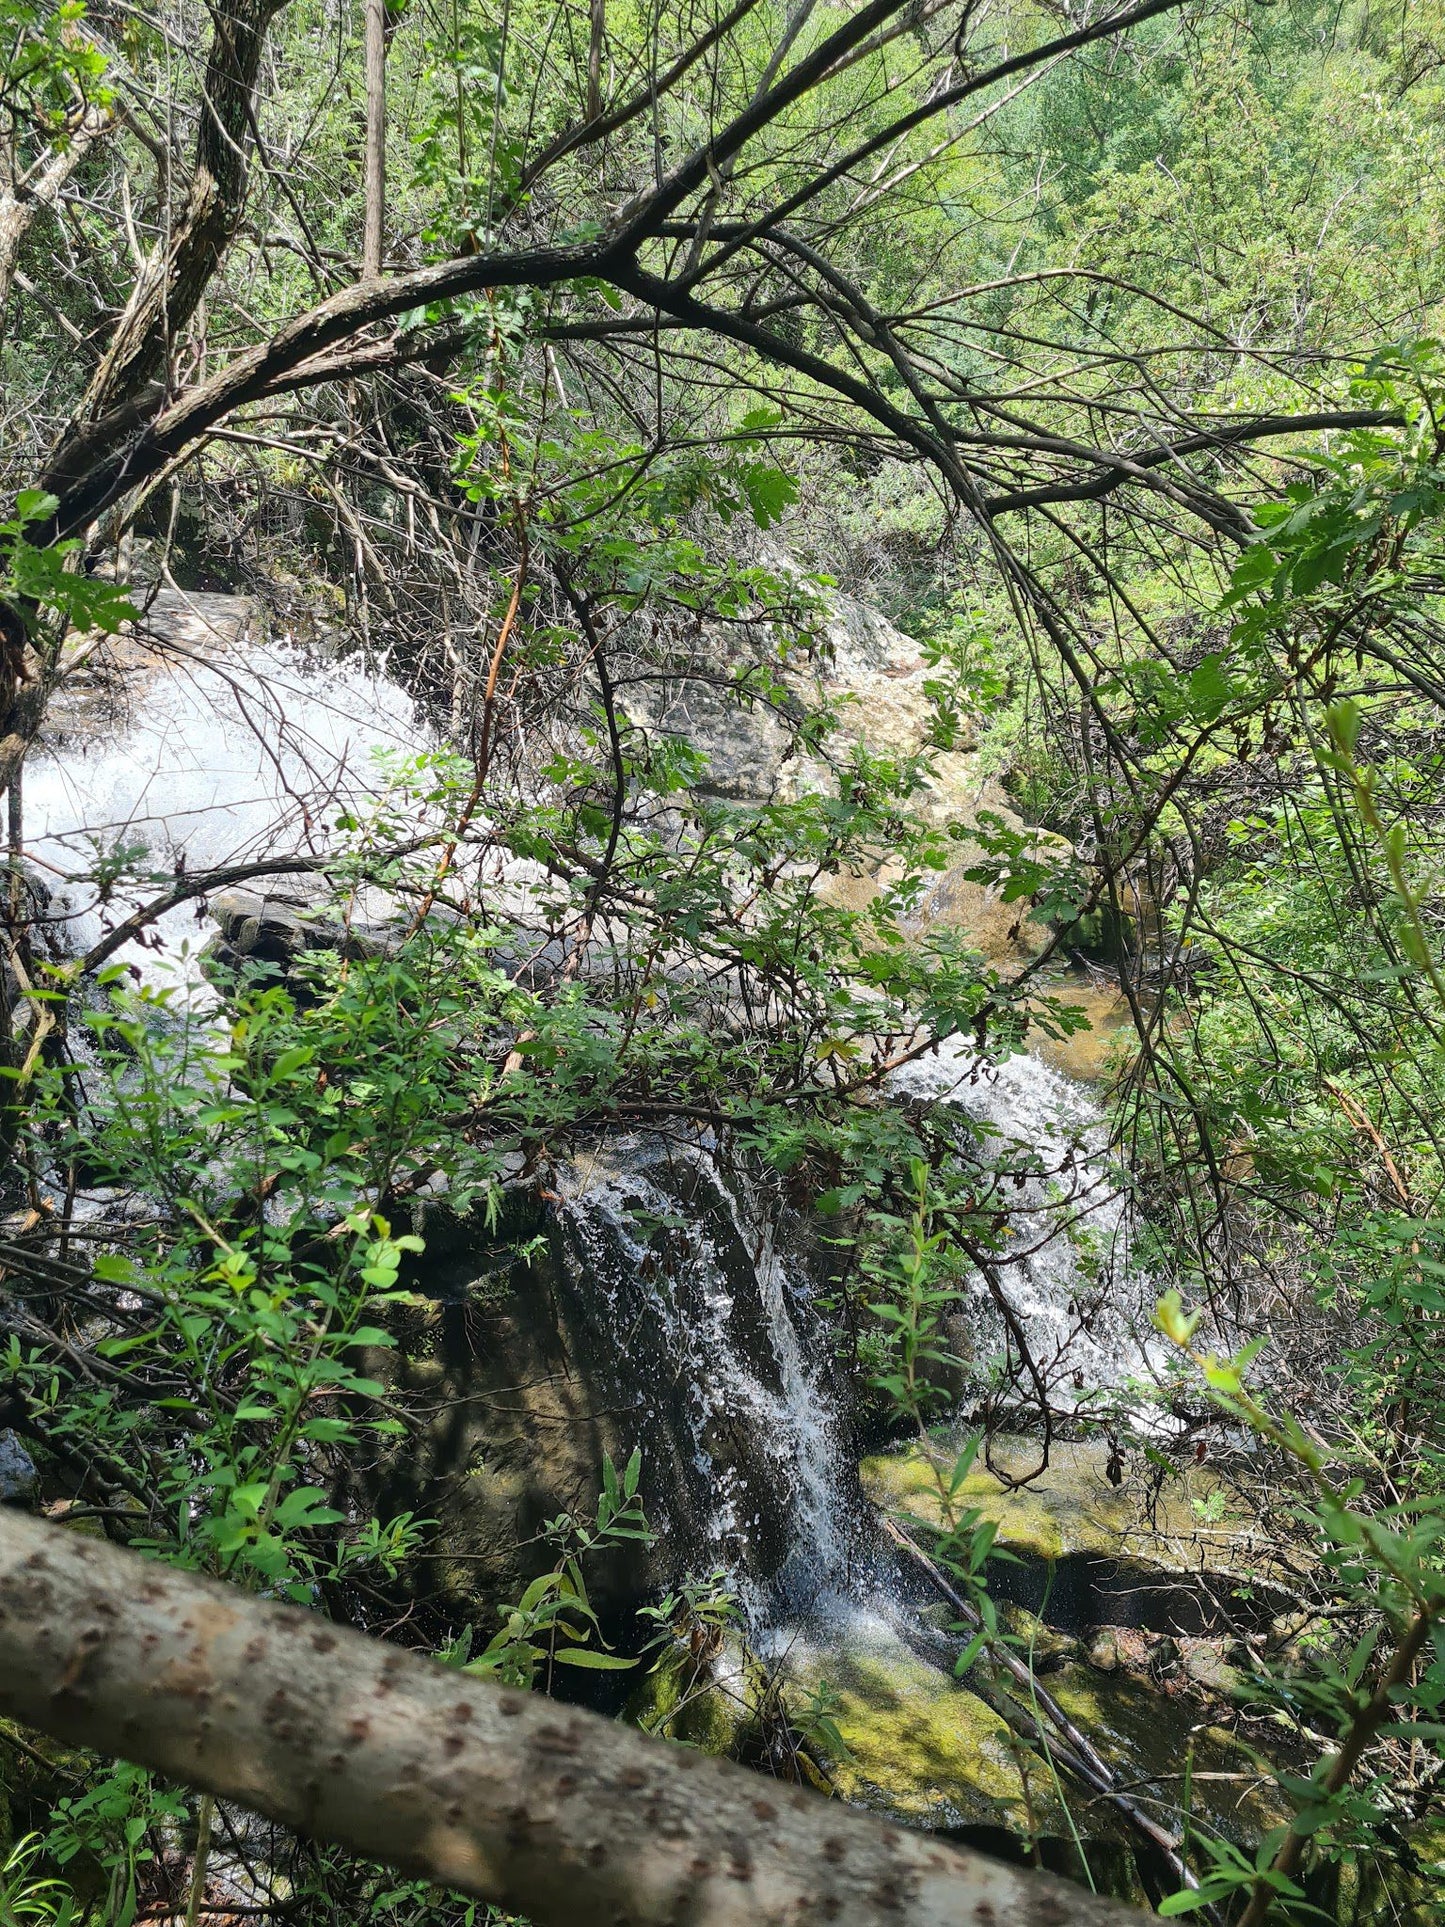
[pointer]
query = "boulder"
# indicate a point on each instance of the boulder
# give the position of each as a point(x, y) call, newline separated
point(275, 925)
point(1175, 1555)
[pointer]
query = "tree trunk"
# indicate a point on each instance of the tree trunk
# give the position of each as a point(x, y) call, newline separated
point(534, 1806)
point(24, 199)
point(180, 269)
point(372, 238)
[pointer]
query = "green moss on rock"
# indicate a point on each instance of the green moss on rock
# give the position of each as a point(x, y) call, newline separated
point(921, 1747)
point(1073, 1508)
point(709, 1703)
point(1146, 1735)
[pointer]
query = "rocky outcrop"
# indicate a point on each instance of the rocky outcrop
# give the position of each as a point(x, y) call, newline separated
point(112, 674)
point(878, 675)
point(274, 925)
point(633, 1299)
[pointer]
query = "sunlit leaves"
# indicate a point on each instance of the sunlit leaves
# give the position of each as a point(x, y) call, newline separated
point(45, 574)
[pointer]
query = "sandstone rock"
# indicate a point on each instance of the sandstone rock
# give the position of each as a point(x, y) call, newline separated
point(1089, 1055)
point(101, 696)
point(878, 675)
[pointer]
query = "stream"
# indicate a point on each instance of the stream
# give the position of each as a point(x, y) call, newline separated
point(699, 1313)
point(202, 762)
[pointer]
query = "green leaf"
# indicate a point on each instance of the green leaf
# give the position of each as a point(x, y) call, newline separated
point(590, 1657)
point(969, 1654)
point(1209, 687)
point(769, 491)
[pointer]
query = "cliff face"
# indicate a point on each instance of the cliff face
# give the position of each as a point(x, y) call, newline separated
point(878, 677)
point(653, 1308)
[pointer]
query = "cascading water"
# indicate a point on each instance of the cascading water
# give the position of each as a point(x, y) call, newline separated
point(705, 1319)
point(1083, 1307)
point(713, 1337)
point(220, 760)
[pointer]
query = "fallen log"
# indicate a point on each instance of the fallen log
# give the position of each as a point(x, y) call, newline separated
point(543, 1809)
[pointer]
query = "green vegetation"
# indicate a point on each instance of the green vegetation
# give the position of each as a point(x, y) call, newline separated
point(1102, 354)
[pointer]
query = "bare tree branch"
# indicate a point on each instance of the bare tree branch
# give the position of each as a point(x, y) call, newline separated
point(38, 191)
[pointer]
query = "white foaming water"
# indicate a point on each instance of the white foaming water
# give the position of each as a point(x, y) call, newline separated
point(224, 761)
point(709, 1300)
point(1084, 1309)
point(802, 1411)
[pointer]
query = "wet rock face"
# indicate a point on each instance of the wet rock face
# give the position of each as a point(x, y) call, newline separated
point(652, 1310)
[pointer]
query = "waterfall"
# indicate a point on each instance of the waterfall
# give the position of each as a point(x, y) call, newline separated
point(701, 1316)
point(202, 761)
point(712, 1335)
point(1084, 1306)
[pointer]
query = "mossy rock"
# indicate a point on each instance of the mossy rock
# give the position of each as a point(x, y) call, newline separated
point(1146, 1735)
point(923, 1748)
point(706, 1702)
point(928, 1751)
point(1177, 1558)
point(1072, 1508)
point(1405, 1887)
